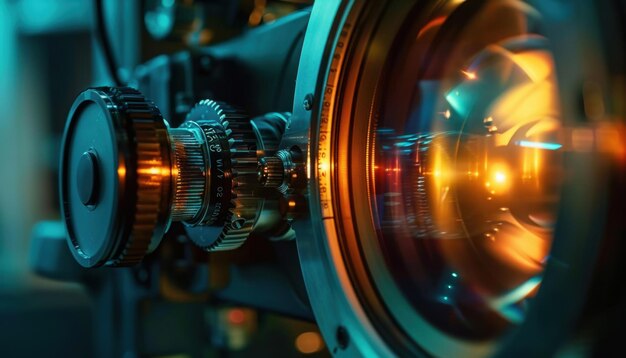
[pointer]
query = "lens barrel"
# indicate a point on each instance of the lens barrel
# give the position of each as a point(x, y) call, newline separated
point(126, 176)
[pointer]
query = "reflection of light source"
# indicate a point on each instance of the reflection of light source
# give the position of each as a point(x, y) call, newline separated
point(236, 316)
point(539, 145)
point(500, 177)
point(469, 75)
point(309, 342)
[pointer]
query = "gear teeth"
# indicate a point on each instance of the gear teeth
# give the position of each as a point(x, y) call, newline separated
point(145, 123)
point(243, 205)
point(271, 172)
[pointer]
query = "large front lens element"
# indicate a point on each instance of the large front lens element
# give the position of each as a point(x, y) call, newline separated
point(466, 169)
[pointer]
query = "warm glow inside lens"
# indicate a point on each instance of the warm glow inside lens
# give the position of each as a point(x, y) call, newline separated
point(467, 166)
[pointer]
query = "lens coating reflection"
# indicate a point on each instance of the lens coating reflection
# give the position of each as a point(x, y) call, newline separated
point(467, 167)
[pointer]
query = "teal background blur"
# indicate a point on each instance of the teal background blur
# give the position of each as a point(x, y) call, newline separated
point(45, 60)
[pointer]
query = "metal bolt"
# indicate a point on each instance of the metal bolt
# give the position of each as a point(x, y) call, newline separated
point(308, 102)
point(343, 339)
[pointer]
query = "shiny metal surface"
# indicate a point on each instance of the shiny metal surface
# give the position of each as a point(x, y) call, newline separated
point(334, 301)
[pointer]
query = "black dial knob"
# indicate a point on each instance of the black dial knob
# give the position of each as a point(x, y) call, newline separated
point(114, 177)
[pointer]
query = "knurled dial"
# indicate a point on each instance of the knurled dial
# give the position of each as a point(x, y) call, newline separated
point(114, 189)
point(231, 205)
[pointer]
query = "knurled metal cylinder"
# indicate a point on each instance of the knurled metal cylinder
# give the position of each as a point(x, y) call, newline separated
point(271, 172)
point(188, 173)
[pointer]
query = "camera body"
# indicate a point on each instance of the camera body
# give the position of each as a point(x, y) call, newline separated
point(370, 178)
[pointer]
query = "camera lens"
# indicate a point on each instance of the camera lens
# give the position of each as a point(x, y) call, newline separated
point(452, 163)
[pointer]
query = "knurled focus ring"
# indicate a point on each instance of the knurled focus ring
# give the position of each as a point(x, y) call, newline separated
point(271, 172)
point(149, 157)
point(188, 174)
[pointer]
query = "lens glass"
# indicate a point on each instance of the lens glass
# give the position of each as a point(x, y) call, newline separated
point(466, 165)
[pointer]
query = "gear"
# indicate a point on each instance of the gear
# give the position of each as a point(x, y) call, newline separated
point(152, 173)
point(232, 202)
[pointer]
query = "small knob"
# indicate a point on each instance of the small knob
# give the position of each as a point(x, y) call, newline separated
point(283, 171)
point(87, 178)
point(271, 172)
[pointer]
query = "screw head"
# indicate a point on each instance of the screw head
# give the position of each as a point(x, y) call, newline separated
point(343, 339)
point(308, 102)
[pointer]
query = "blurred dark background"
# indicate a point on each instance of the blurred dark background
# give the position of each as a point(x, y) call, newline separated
point(49, 54)
point(46, 57)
